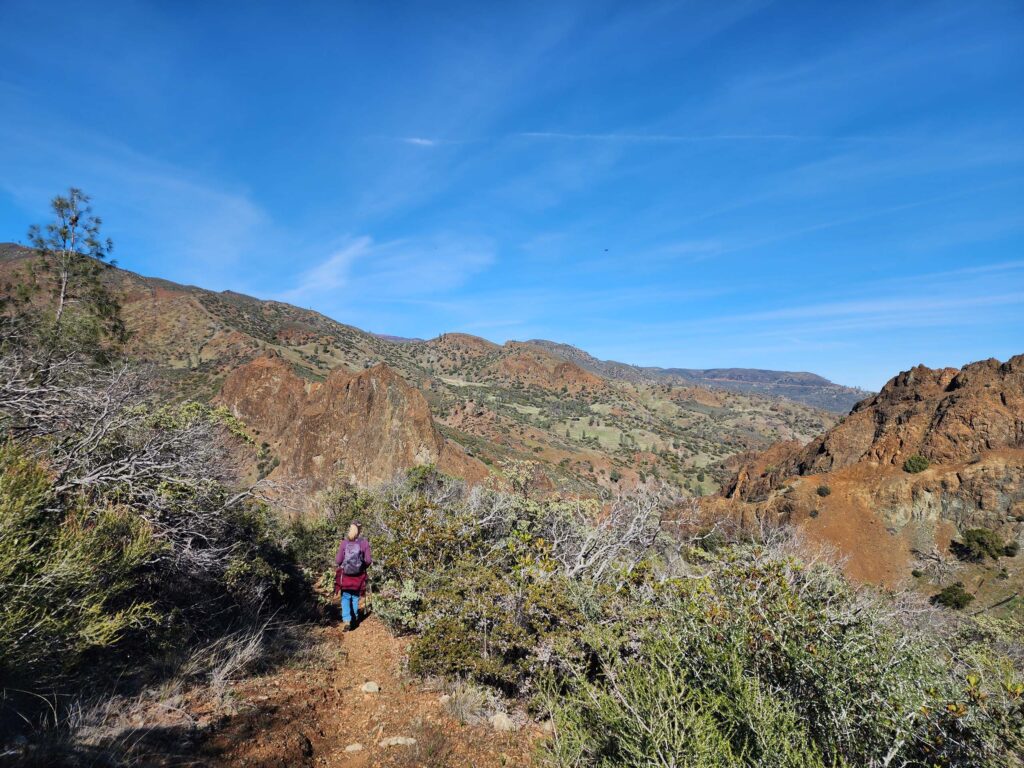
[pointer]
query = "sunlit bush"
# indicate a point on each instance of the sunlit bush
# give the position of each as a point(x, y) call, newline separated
point(67, 576)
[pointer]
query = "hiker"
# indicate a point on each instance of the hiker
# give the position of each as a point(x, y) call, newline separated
point(353, 559)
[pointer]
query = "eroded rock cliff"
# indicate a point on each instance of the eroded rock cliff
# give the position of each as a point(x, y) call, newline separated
point(362, 427)
point(849, 487)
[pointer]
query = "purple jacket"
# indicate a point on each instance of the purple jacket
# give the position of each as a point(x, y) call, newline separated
point(342, 581)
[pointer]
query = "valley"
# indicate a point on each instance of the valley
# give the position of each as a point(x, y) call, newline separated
point(591, 428)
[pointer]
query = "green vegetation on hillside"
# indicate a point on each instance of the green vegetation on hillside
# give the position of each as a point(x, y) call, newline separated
point(916, 464)
point(120, 535)
point(705, 647)
point(194, 337)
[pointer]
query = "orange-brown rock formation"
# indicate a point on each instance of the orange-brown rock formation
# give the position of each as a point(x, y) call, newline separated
point(947, 416)
point(363, 427)
point(849, 488)
point(528, 365)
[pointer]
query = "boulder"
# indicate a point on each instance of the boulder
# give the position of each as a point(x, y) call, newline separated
point(397, 741)
point(502, 722)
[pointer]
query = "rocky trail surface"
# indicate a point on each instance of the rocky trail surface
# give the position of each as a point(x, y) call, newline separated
point(355, 707)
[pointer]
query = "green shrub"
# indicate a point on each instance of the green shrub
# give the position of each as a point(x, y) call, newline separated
point(979, 543)
point(767, 662)
point(129, 549)
point(66, 576)
point(954, 596)
point(915, 464)
point(399, 606)
point(655, 709)
point(487, 626)
point(824, 490)
point(1011, 549)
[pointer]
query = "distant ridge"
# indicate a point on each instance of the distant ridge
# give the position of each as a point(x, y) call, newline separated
point(397, 339)
point(808, 388)
point(801, 387)
point(338, 399)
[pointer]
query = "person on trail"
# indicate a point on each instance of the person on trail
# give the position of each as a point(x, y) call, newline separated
point(353, 559)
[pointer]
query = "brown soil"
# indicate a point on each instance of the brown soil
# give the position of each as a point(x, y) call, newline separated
point(303, 717)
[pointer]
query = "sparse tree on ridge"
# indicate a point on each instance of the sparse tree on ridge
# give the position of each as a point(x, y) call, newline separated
point(71, 247)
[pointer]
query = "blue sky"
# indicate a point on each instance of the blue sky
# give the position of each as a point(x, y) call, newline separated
point(834, 187)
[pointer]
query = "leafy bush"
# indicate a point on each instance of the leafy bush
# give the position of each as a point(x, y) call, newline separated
point(824, 490)
point(954, 596)
point(66, 575)
point(399, 606)
point(131, 545)
point(979, 543)
point(915, 464)
point(769, 662)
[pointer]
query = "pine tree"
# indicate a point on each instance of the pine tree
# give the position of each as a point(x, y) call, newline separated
point(71, 248)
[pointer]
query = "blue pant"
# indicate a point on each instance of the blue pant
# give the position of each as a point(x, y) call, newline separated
point(349, 606)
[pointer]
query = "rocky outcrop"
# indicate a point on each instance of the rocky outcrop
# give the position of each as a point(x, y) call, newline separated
point(363, 427)
point(945, 415)
point(848, 487)
point(529, 366)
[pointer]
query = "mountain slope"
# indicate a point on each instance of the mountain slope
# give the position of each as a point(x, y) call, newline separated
point(363, 427)
point(588, 430)
point(807, 388)
point(852, 486)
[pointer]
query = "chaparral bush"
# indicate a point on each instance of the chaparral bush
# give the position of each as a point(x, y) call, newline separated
point(977, 544)
point(68, 575)
point(915, 464)
point(766, 661)
point(122, 542)
point(648, 649)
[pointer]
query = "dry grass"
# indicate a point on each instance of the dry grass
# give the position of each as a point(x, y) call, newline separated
point(472, 704)
point(433, 748)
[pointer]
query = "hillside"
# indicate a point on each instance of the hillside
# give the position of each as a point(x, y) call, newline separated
point(962, 432)
point(486, 403)
point(807, 388)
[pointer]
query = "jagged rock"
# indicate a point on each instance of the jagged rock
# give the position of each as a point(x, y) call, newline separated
point(370, 687)
point(945, 415)
point(366, 426)
point(397, 741)
point(502, 722)
point(885, 521)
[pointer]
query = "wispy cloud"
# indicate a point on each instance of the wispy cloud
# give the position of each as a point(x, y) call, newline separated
point(659, 138)
point(331, 274)
point(197, 230)
point(362, 271)
point(417, 141)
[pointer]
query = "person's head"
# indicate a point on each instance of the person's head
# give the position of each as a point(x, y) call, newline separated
point(353, 531)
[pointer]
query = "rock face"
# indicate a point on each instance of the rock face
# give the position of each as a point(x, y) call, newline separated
point(945, 415)
point(363, 427)
point(849, 488)
point(527, 365)
point(583, 423)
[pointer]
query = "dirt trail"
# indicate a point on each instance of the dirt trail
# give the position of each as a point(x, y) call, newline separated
point(308, 716)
